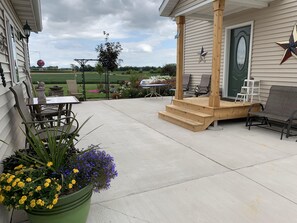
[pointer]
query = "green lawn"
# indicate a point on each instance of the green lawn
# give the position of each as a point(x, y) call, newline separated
point(88, 87)
point(90, 77)
point(93, 80)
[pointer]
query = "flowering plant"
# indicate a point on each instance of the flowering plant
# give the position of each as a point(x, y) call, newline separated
point(37, 177)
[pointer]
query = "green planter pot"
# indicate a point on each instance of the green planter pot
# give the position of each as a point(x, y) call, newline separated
point(72, 208)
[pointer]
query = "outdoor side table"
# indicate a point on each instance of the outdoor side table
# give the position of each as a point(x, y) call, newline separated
point(153, 89)
point(60, 101)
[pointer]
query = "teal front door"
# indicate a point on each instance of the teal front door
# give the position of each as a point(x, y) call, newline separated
point(239, 59)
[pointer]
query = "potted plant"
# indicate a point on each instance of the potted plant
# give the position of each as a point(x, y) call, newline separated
point(52, 180)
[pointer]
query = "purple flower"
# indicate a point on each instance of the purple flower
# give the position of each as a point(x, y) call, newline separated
point(95, 167)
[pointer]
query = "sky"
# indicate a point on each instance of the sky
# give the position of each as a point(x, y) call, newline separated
point(73, 28)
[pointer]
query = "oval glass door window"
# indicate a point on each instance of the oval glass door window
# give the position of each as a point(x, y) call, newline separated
point(241, 52)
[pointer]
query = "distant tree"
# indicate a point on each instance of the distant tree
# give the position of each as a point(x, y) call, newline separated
point(109, 53)
point(74, 67)
point(99, 69)
point(169, 69)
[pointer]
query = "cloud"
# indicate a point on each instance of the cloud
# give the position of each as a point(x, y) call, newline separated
point(73, 28)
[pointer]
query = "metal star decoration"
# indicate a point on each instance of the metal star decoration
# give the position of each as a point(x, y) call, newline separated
point(290, 46)
point(202, 55)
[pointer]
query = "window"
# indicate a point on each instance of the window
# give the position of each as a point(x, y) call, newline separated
point(14, 69)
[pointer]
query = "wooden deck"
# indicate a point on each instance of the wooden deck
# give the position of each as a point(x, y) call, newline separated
point(196, 115)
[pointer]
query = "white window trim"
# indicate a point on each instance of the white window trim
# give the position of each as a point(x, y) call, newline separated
point(9, 23)
point(227, 53)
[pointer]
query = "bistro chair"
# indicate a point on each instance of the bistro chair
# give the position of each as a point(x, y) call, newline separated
point(203, 87)
point(42, 111)
point(186, 84)
point(73, 89)
point(60, 127)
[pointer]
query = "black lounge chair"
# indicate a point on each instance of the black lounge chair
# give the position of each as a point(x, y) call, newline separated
point(281, 108)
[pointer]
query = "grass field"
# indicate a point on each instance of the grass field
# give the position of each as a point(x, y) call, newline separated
point(92, 80)
point(90, 77)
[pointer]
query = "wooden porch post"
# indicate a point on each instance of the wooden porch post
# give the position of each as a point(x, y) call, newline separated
point(218, 8)
point(180, 22)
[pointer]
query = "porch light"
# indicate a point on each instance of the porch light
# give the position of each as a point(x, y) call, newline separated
point(27, 31)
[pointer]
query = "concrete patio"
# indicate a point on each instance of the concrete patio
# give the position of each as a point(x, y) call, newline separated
point(168, 174)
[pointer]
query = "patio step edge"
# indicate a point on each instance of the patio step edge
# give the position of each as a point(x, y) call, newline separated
point(181, 121)
point(190, 111)
point(193, 107)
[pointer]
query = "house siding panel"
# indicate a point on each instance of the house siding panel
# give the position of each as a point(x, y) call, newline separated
point(198, 34)
point(10, 120)
point(270, 25)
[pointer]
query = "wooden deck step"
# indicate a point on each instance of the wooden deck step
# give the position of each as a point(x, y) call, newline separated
point(192, 106)
point(188, 113)
point(181, 121)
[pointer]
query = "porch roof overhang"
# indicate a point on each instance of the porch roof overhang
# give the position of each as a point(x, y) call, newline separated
point(29, 10)
point(203, 9)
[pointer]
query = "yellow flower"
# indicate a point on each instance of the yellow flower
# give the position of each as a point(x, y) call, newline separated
point(21, 201)
point(31, 193)
point(19, 172)
point(59, 187)
point(48, 180)
point(17, 180)
point(28, 179)
point(32, 203)
point(19, 167)
point(55, 201)
point(2, 177)
point(75, 170)
point(24, 198)
point(56, 195)
point(8, 188)
point(38, 188)
point(46, 185)
point(21, 184)
point(40, 202)
point(13, 184)
point(50, 206)
point(70, 186)
point(1, 198)
point(10, 179)
point(49, 164)
point(73, 181)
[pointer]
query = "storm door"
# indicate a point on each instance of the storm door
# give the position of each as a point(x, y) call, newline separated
point(239, 59)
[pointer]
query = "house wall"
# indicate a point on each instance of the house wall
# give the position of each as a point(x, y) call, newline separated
point(270, 25)
point(10, 121)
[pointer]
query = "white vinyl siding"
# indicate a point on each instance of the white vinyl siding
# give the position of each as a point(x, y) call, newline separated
point(10, 121)
point(198, 34)
point(272, 24)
